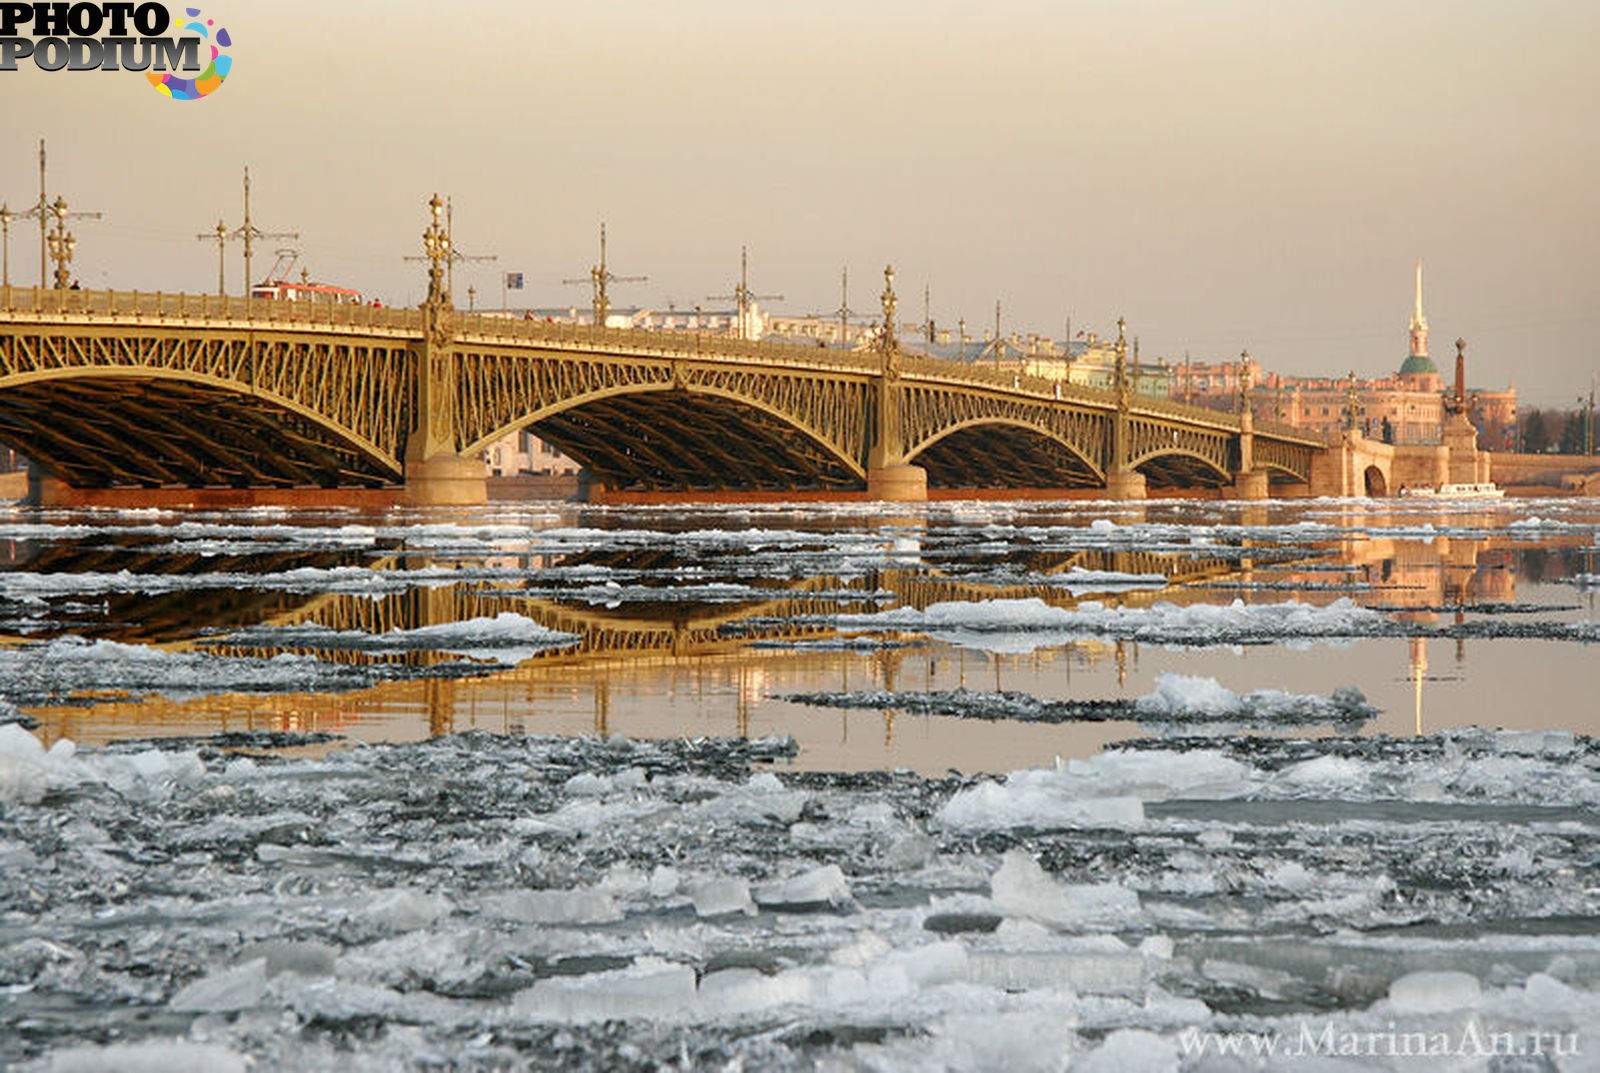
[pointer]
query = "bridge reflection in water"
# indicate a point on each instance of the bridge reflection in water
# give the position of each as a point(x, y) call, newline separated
point(677, 668)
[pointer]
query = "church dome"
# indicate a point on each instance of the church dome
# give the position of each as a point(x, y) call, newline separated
point(1419, 365)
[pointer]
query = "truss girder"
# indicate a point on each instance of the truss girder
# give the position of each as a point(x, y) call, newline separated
point(101, 432)
point(245, 400)
point(996, 455)
point(931, 412)
point(1291, 459)
point(676, 439)
point(356, 389)
point(500, 392)
point(1150, 439)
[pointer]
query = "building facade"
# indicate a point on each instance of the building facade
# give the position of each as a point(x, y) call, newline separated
point(1406, 407)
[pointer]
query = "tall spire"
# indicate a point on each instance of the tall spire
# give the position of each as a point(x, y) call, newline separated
point(1419, 322)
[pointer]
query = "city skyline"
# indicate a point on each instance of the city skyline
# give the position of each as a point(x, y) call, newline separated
point(1261, 176)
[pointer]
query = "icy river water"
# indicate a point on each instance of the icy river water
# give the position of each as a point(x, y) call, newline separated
point(967, 786)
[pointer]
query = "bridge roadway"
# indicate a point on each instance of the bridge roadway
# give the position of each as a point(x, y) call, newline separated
point(108, 390)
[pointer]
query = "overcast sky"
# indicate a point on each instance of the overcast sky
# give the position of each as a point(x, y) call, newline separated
point(1225, 175)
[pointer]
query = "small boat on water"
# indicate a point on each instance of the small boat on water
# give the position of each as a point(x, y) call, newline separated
point(1457, 491)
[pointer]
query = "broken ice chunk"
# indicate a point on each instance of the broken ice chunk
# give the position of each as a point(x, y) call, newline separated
point(720, 894)
point(231, 989)
point(1431, 992)
point(1131, 1050)
point(407, 910)
point(1022, 889)
point(304, 958)
point(819, 888)
point(1040, 804)
point(649, 988)
point(151, 1056)
point(553, 906)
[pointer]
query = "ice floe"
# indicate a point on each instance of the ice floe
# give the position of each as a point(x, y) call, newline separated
point(493, 901)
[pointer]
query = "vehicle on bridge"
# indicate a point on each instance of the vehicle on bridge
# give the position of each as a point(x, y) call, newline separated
point(305, 292)
point(277, 284)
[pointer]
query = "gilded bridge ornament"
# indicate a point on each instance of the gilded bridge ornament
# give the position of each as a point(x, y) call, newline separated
point(889, 341)
point(436, 246)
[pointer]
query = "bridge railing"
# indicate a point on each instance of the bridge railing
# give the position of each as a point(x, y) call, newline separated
point(666, 343)
point(690, 344)
point(23, 303)
point(1279, 431)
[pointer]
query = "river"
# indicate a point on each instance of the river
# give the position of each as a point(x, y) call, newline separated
point(543, 785)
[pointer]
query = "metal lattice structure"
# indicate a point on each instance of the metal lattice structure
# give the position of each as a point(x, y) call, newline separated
point(121, 388)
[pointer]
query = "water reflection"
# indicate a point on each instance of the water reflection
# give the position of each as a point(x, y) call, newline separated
point(680, 629)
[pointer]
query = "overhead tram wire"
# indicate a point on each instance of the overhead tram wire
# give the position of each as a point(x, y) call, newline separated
point(742, 296)
point(43, 211)
point(454, 255)
point(599, 279)
point(248, 232)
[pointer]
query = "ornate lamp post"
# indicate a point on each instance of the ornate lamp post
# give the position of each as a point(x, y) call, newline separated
point(890, 342)
point(436, 244)
point(221, 237)
point(1119, 371)
point(6, 216)
point(62, 242)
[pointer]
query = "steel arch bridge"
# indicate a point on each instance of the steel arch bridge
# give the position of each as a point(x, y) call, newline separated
point(126, 389)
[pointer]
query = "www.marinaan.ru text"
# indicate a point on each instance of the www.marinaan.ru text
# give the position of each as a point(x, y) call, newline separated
point(1471, 1041)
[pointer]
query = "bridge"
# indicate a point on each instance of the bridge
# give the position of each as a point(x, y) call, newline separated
point(115, 389)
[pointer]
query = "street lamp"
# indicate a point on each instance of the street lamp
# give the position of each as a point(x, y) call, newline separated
point(6, 216)
point(436, 244)
point(62, 242)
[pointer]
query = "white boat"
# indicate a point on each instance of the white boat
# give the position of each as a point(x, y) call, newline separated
point(1457, 491)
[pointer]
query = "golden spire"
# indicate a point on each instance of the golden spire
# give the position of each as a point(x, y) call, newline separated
point(1419, 322)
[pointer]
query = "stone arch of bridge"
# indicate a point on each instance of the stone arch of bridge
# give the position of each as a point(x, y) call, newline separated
point(687, 435)
point(98, 425)
point(1079, 468)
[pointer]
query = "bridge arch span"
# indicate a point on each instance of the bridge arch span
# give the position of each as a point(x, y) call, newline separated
point(668, 435)
point(1175, 467)
point(100, 426)
point(1003, 452)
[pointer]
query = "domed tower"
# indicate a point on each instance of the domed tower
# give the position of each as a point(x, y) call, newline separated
point(1418, 372)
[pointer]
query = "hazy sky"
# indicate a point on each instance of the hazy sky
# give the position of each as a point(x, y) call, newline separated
point(1225, 175)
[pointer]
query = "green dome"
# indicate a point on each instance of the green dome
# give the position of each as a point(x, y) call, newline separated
point(1418, 365)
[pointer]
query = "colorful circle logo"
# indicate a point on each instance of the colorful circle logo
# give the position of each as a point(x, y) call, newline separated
point(192, 89)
